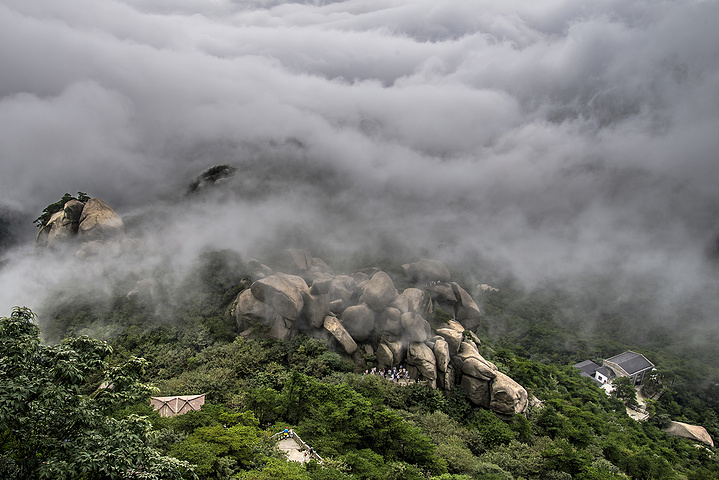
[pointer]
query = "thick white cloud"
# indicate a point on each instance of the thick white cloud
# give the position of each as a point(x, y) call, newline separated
point(552, 137)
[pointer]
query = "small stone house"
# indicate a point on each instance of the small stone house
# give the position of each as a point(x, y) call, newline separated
point(177, 405)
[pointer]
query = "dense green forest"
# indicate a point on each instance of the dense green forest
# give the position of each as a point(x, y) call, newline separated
point(75, 407)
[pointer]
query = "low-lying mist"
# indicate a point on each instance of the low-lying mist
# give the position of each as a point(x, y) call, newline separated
point(569, 144)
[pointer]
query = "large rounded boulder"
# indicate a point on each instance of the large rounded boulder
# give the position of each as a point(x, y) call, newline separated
point(441, 353)
point(415, 328)
point(478, 391)
point(65, 223)
point(452, 337)
point(466, 310)
point(359, 321)
point(418, 301)
point(428, 271)
point(385, 357)
point(379, 291)
point(250, 311)
point(99, 221)
point(343, 290)
point(391, 321)
point(507, 396)
point(316, 308)
point(422, 357)
point(283, 292)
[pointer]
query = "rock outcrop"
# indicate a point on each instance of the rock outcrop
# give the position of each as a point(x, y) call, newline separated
point(507, 396)
point(251, 311)
point(416, 328)
point(427, 271)
point(452, 337)
point(63, 225)
point(333, 326)
point(282, 292)
point(379, 291)
point(317, 307)
point(692, 432)
point(362, 315)
point(93, 225)
point(359, 321)
point(99, 222)
point(145, 289)
point(275, 303)
point(466, 310)
point(421, 356)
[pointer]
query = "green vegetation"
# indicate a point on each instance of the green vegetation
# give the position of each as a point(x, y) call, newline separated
point(624, 391)
point(56, 410)
point(364, 427)
point(538, 326)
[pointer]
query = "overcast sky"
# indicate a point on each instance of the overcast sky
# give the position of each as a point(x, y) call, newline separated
point(553, 137)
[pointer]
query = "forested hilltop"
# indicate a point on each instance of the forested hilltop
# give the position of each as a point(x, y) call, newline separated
point(75, 404)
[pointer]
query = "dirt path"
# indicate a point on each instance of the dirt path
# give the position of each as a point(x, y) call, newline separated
point(640, 413)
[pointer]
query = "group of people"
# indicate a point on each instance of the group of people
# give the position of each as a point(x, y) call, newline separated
point(393, 374)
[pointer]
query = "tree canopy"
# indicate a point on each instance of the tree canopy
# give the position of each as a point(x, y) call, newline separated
point(56, 406)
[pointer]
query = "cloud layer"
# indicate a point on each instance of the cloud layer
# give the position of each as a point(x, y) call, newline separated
point(553, 138)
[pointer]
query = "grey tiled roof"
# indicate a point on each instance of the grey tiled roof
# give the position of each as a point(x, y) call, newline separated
point(587, 367)
point(631, 362)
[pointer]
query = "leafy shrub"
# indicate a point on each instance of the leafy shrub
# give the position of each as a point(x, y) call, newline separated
point(49, 428)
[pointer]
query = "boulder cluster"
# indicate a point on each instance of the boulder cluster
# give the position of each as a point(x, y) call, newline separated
point(427, 327)
point(92, 224)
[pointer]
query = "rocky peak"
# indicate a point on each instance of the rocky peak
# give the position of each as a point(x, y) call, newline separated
point(363, 313)
point(91, 225)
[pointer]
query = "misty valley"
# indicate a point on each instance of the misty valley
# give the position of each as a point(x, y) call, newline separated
point(388, 370)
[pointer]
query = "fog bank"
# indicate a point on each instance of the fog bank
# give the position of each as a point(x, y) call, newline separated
point(552, 140)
